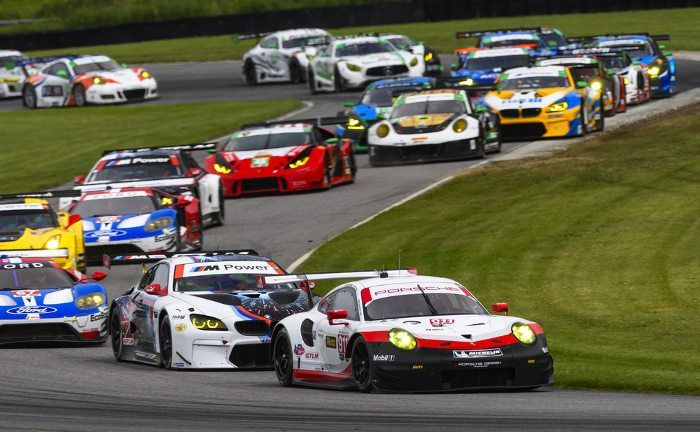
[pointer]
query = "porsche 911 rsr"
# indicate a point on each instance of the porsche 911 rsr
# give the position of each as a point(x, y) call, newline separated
point(544, 102)
point(137, 220)
point(483, 66)
point(376, 104)
point(170, 169)
point(30, 227)
point(41, 302)
point(279, 56)
point(433, 125)
point(353, 62)
point(398, 332)
point(635, 75)
point(590, 70)
point(286, 156)
point(433, 67)
point(645, 49)
point(87, 79)
point(202, 311)
point(11, 75)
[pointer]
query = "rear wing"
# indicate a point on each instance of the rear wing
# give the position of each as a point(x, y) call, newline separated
point(183, 147)
point(657, 37)
point(35, 253)
point(318, 121)
point(184, 182)
point(246, 36)
point(479, 33)
point(263, 281)
point(69, 193)
point(108, 261)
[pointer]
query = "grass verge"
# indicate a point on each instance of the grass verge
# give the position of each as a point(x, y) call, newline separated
point(681, 24)
point(598, 243)
point(44, 148)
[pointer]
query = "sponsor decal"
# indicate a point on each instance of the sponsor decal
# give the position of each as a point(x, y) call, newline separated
point(181, 327)
point(545, 349)
point(460, 354)
point(98, 316)
point(478, 364)
point(415, 289)
point(21, 266)
point(232, 267)
point(106, 233)
point(299, 350)
point(26, 293)
point(128, 341)
point(342, 345)
point(260, 162)
point(311, 356)
point(414, 367)
point(178, 317)
point(384, 357)
point(182, 365)
point(32, 310)
point(439, 322)
point(330, 342)
point(139, 160)
point(112, 195)
point(108, 219)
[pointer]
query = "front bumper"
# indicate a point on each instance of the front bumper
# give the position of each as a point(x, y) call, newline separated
point(543, 125)
point(381, 155)
point(110, 93)
point(89, 329)
point(297, 180)
point(158, 243)
point(10, 89)
point(431, 370)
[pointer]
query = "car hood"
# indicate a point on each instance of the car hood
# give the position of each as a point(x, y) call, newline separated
point(247, 305)
point(28, 236)
point(380, 59)
point(266, 159)
point(121, 76)
point(524, 98)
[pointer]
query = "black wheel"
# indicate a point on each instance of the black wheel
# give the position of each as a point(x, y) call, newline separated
point(296, 73)
point(600, 124)
point(482, 150)
point(353, 165)
point(79, 95)
point(220, 216)
point(165, 341)
point(115, 334)
point(338, 80)
point(361, 367)
point(328, 176)
point(250, 73)
point(282, 358)
point(29, 96)
point(583, 116)
point(312, 82)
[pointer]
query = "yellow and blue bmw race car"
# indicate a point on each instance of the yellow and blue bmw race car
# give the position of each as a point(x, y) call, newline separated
point(545, 102)
point(29, 227)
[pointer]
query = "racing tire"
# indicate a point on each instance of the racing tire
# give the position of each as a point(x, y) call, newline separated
point(79, 96)
point(250, 74)
point(327, 176)
point(361, 367)
point(482, 151)
point(282, 358)
point(312, 82)
point(353, 166)
point(165, 341)
point(115, 334)
point(583, 117)
point(600, 124)
point(29, 96)
point(219, 217)
point(296, 73)
point(338, 80)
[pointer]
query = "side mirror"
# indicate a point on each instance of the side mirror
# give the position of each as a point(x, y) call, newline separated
point(62, 74)
point(337, 317)
point(331, 141)
point(480, 109)
point(667, 53)
point(348, 104)
point(581, 84)
point(662, 47)
point(500, 308)
point(79, 179)
point(156, 289)
point(211, 151)
point(454, 66)
point(611, 73)
point(98, 276)
point(73, 219)
point(636, 63)
point(552, 44)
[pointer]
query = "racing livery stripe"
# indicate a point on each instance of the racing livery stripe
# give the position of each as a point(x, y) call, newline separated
point(179, 270)
point(322, 375)
point(251, 315)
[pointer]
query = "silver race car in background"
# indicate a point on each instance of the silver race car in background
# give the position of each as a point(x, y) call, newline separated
point(11, 74)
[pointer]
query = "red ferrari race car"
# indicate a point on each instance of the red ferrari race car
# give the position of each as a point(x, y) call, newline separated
point(285, 156)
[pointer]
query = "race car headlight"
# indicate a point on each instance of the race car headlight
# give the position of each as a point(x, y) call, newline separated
point(466, 82)
point(459, 126)
point(54, 242)
point(413, 62)
point(158, 224)
point(222, 169)
point(627, 80)
point(596, 85)
point(557, 107)
point(203, 322)
point(99, 80)
point(353, 67)
point(90, 301)
point(145, 75)
point(299, 162)
point(654, 71)
point(402, 339)
point(383, 130)
point(355, 124)
point(523, 333)
point(428, 57)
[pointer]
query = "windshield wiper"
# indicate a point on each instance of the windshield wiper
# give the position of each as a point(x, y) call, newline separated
point(427, 300)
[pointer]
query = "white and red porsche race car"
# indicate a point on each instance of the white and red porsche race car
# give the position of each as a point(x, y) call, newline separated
point(400, 332)
point(87, 79)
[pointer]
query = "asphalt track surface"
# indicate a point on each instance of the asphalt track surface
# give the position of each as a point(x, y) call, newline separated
point(83, 389)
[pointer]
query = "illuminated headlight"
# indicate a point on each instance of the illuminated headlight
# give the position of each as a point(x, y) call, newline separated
point(353, 67)
point(428, 57)
point(413, 62)
point(145, 75)
point(523, 333)
point(654, 71)
point(355, 124)
point(596, 85)
point(203, 322)
point(627, 80)
point(9, 80)
point(459, 126)
point(299, 162)
point(222, 169)
point(99, 80)
point(402, 339)
point(90, 301)
point(383, 130)
point(54, 242)
point(557, 107)
point(466, 82)
point(158, 224)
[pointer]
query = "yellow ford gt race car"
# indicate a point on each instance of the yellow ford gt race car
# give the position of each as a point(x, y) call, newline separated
point(29, 227)
point(545, 102)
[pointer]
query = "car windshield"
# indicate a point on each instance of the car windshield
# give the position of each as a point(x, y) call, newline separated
point(243, 142)
point(7, 59)
point(114, 206)
point(297, 42)
point(428, 107)
point(614, 62)
point(360, 49)
point(491, 63)
point(18, 220)
point(385, 97)
point(109, 65)
point(227, 283)
point(584, 73)
point(136, 171)
point(401, 42)
point(33, 276)
point(533, 82)
point(416, 305)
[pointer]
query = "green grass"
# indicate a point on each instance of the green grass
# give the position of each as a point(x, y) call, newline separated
point(599, 244)
point(681, 24)
point(44, 148)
